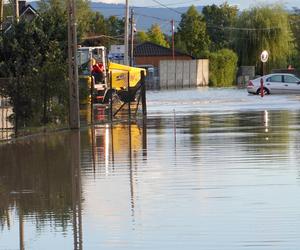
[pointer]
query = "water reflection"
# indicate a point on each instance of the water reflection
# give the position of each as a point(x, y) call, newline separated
point(40, 182)
point(173, 182)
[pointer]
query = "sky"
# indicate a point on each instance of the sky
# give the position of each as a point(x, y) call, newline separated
point(242, 4)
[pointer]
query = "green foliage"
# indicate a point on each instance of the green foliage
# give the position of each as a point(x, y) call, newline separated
point(295, 26)
point(156, 36)
point(109, 30)
point(218, 19)
point(223, 68)
point(141, 37)
point(264, 28)
point(53, 22)
point(191, 36)
point(8, 9)
point(36, 68)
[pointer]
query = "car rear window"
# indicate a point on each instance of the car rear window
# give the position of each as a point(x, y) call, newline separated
point(290, 79)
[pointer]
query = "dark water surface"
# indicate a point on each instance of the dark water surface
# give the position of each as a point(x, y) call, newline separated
point(209, 169)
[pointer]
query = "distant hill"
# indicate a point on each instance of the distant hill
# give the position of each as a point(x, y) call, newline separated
point(144, 17)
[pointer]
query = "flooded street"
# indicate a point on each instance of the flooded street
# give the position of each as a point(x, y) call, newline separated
point(209, 169)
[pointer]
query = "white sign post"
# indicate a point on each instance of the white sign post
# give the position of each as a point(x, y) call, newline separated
point(264, 56)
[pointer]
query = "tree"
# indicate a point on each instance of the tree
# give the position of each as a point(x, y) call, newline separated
point(53, 22)
point(156, 36)
point(294, 19)
point(142, 36)
point(218, 20)
point(264, 28)
point(223, 67)
point(115, 26)
point(36, 68)
point(58, 9)
point(97, 24)
point(191, 34)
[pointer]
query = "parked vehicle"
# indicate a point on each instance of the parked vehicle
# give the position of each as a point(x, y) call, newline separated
point(279, 83)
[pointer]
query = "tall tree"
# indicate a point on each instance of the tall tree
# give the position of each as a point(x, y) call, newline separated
point(155, 35)
point(295, 26)
point(115, 26)
point(264, 28)
point(191, 35)
point(218, 20)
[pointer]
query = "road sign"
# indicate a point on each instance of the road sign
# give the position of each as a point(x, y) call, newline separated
point(264, 56)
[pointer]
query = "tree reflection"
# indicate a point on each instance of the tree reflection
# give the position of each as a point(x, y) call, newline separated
point(37, 179)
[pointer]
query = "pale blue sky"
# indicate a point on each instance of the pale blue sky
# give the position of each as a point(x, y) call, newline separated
point(242, 4)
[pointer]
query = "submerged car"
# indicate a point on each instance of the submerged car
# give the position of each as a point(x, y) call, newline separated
point(279, 83)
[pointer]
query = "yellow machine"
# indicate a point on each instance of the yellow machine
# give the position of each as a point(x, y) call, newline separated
point(115, 76)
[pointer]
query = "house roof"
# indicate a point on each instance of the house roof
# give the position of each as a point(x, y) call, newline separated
point(28, 9)
point(25, 10)
point(152, 49)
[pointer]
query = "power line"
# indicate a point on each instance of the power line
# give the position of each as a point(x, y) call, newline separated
point(165, 6)
point(241, 29)
point(184, 2)
point(154, 17)
point(119, 37)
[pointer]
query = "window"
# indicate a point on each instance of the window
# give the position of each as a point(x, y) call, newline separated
point(290, 79)
point(276, 78)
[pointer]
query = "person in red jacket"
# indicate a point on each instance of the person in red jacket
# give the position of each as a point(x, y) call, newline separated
point(98, 72)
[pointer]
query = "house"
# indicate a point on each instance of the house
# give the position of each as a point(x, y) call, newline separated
point(149, 53)
point(26, 11)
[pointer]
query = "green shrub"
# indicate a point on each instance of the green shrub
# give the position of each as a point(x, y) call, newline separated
point(223, 68)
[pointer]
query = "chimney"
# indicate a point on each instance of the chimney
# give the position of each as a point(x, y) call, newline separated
point(22, 5)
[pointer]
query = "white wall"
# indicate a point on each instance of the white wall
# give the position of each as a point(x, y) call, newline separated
point(183, 73)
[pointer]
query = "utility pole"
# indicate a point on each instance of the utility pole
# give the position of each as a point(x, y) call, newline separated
point(173, 50)
point(16, 10)
point(126, 33)
point(1, 13)
point(131, 36)
point(74, 121)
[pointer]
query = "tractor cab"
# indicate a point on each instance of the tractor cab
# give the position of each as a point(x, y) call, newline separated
point(88, 57)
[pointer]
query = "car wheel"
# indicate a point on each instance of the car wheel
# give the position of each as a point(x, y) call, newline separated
point(266, 91)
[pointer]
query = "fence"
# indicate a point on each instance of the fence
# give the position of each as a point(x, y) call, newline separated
point(6, 128)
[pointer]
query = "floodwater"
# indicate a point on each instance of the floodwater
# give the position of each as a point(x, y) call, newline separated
point(208, 169)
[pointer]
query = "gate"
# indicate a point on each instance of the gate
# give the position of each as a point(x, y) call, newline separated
point(6, 128)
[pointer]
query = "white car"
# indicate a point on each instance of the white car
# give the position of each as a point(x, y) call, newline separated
point(275, 83)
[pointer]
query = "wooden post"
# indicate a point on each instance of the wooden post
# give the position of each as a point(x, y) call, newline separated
point(16, 10)
point(131, 37)
point(92, 99)
point(126, 32)
point(73, 69)
point(143, 93)
point(173, 40)
point(111, 97)
point(1, 13)
point(74, 143)
point(128, 91)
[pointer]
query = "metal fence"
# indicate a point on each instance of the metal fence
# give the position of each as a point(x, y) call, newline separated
point(6, 128)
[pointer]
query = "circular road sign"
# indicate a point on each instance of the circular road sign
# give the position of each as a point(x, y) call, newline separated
point(264, 56)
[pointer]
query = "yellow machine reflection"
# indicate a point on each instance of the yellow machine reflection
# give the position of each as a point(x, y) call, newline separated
point(113, 142)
